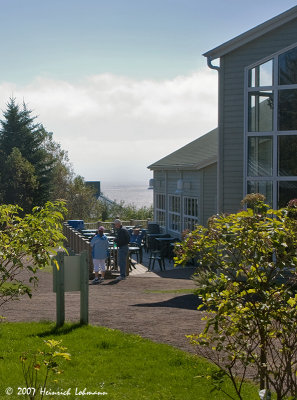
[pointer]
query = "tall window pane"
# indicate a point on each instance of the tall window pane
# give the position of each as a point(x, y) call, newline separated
point(263, 187)
point(287, 110)
point(160, 209)
point(287, 67)
point(174, 204)
point(160, 201)
point(261, 111)
point(260, 156)
point(174, 213)
point(261, 75)
point(287, 155)
point(266, 73)
point(160, 218)
point(286, 192)
point(190, 213)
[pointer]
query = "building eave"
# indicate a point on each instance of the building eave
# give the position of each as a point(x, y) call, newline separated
point(183, 167)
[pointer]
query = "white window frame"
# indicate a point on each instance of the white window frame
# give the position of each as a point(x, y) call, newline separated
point(174, 215)
point(160, 209)
point(194, 219)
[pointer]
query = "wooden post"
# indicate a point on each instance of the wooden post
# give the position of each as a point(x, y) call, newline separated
point(60, 293)
point(128, 264)
point(84, 288)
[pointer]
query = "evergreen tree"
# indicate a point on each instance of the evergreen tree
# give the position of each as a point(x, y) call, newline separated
point(20, 131)
point(20, 180)
point(62, 171)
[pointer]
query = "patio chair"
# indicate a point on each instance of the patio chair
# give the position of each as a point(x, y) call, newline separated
point(136, 240)
point(156, 256)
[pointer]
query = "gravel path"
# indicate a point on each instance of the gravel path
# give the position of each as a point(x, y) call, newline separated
point(132, 305)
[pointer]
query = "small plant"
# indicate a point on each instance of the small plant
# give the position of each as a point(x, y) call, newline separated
point(39, 365)
point(255, 201)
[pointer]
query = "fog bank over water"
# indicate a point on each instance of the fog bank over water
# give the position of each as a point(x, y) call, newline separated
point(136, 193)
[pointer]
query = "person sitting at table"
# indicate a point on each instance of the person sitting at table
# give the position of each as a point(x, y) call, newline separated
point(134, 237)
point(100, 245)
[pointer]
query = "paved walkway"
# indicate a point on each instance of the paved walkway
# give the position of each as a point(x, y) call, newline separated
point(144, 304)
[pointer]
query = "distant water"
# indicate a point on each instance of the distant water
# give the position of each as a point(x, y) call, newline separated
point(137, 194)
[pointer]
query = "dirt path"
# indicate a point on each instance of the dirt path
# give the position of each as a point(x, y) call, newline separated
point(131, 306)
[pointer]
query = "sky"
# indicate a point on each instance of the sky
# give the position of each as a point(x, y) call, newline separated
point(120, 83)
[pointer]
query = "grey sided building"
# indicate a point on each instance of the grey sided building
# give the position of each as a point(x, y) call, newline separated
point(257, 131)
point(185, 185)
point(257, 119)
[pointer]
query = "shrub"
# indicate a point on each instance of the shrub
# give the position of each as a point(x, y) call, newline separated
point(246, 281)
point(26, 244)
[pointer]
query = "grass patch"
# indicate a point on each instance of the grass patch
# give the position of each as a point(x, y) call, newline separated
point(48, 268)
point(124, 366)
point(174, 291)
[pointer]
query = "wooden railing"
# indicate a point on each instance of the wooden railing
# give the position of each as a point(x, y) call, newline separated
point(76, 243)
point(109, 224)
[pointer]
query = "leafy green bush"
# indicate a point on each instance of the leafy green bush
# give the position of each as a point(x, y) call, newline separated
point(246, 282)
point(26, 244)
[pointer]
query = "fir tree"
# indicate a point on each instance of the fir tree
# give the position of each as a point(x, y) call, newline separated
point(20, 180)
point(19, 131)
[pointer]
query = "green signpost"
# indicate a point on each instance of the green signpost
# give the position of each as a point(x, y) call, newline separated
point(72, 275)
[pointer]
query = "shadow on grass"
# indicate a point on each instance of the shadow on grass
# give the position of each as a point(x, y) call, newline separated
point(187, 302)
point(59, 331)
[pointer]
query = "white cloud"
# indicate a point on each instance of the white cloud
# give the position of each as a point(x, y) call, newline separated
point(114, 126)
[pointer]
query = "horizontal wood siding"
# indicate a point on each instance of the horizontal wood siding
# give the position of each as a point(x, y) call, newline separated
point(160, 182)
point(209, 197)
point(172, 177)
point(231, 112)
point(192, 183)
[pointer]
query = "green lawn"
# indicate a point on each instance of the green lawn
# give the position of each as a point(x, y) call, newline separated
point(104, 360)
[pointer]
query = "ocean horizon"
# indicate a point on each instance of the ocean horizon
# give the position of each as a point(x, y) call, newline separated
point(131, 193)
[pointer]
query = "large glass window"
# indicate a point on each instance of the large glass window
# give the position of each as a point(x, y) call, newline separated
point(263, 187)
point(271, 128)
point(260, 156)
point(287, 110)
point(287, 155)
point(287, 190)
point(260, 111)
point(287, 67)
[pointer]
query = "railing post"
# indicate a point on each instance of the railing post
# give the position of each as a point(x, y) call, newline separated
point(60, 292)
point(84, 288)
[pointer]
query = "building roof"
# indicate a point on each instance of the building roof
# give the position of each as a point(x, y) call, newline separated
point(195, 155)
point(252, 34)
